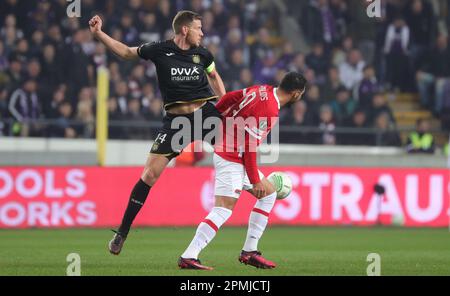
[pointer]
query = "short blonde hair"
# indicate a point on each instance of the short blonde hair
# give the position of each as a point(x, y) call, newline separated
point(184, 18)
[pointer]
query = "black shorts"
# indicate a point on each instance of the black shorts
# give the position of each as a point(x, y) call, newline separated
point(178, 131)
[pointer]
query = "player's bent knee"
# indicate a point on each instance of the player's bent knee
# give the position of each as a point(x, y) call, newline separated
point(225, 202)
point(269, 187)
point(149, 176)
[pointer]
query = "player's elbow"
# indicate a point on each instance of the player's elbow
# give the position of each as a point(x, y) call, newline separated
point(129, 54)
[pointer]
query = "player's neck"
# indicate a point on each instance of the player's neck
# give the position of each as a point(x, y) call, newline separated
point(282, 96)
point(181, 42)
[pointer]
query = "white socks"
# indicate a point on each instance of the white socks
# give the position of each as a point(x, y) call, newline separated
point(206, 231)
point(258, 221)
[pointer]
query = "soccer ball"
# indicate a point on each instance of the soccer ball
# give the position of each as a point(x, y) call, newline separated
point(282, 183)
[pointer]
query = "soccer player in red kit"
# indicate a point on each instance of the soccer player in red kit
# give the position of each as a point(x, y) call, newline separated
point(249, 115)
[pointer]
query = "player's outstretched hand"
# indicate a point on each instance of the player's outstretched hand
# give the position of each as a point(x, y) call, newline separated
point(95, 24)
point(259, 190)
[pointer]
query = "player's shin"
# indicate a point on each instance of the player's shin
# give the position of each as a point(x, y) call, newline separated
point(206, 231)
point(259, 218)
point(137, 199)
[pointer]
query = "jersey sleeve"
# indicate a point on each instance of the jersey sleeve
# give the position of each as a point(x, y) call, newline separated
point(147, 51)
point(229, 99)
point(249, 160)
point(209, 61)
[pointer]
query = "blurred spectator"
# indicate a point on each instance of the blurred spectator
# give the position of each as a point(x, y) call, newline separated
point(134, 114)
point(52, 72)
point(333, 83)
point(298, 117)
point(420, 18)
point(264, 70)
point(220, 15)
point(4, 114)
point(343, 106)
point(327, 127)
point(154, 110)
point(367, 88)
point(63, 127)
point(357, 121)
point(261, 48)
point(51, 108)
point(340, 53)
point(208, 28)
point(319, 62)
point(287, 56)
point(14, 74)
point(130, 33)
point(236, 65)
point(150, 32)
point(25, 107)
point(351, 71)
point(319, 22)
point(435, 73)
point(386, 134)
point(114, 116)
point(121, 92)
point(86, 119)
point(421, 140)
point(397, 60)
point(245, 80)
point(379, 105)
point(3, 59)
point(233, 42)
point(313, 102)
point(77, 64)
point(249, 43)
point(298, 63)
point(363, 29)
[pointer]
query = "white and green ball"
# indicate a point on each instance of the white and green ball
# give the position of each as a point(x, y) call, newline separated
point(282, 183)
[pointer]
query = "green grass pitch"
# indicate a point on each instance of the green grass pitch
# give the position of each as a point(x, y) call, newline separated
point(296, 250)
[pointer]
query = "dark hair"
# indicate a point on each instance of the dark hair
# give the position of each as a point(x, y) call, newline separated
point(184, 18)
point(293, 81)
point(342, 89)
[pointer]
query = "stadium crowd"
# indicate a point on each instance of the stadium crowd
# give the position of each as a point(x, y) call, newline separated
point(48, 63)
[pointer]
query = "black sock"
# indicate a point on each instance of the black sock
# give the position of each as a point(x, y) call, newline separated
point(137, 200)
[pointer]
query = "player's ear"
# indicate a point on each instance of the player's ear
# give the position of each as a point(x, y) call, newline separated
point(185, 30)
point(302, 92)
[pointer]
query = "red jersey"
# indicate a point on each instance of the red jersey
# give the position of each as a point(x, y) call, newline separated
point(254, 111)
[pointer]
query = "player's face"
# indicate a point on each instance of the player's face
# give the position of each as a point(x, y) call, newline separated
point(195, 33)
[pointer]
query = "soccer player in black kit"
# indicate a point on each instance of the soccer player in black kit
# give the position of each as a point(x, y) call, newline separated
point(185, 73)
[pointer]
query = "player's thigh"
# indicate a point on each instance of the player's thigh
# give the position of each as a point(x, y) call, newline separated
point(225, 202)
point(229, 178)
point(154, 166)
point(211, 123)
point(173, 137)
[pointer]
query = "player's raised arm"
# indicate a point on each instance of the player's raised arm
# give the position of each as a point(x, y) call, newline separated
point(251, 166)
point(120, 49)
point(216, 83)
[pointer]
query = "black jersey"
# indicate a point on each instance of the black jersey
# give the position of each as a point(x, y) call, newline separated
point(181, 73)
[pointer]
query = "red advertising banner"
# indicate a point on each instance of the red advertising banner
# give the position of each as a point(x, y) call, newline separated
point(96, 197)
